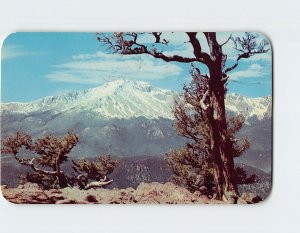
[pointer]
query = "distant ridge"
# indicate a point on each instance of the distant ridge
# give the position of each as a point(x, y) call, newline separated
point(124, 99)
point(131, 118)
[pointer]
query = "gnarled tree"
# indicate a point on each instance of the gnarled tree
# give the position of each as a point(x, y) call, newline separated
point(97, 171)
point(50, 152)
point(46, 157)
point(193, 165)
point(190, 170)
point(213, 94)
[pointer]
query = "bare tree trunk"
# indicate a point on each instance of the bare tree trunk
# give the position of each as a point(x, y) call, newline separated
point(221, 150)
point(218, 170)
point(62, 180)
point(224, 150)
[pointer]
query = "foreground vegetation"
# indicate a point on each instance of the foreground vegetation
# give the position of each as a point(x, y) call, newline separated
point(131, 171)
point(46, 156)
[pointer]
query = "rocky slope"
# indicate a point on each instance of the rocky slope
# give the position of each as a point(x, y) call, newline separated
point(145, 193)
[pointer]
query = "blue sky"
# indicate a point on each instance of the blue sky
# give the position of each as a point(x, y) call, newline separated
point(35, 65)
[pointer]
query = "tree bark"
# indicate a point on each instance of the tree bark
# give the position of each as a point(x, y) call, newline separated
point(62, 180)
point(218, 170)
point(221, 149)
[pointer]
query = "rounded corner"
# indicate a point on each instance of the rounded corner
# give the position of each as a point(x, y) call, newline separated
point(3, 196)
point(266, 37)
point(266, 199)
point(5, 41)
point(7, 38)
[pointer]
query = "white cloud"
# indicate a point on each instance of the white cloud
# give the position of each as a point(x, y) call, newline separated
point(100, 67)
point(253, 71)
point(11, 51)
point(86, 77)
point(261, 57)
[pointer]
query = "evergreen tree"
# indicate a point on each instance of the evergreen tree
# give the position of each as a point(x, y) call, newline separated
point(193, 165)
point(97, 171)
point(46, 155)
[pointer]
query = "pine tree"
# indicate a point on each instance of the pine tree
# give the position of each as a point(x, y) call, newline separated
point(193, 165)
point(97, 171)
point(48, 153)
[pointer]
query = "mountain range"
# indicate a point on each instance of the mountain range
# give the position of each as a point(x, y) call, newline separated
point(125, 99)
point(131, 118)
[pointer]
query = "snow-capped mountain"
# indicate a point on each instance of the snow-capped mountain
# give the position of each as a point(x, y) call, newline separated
point(130, 118)
point(124, 99)
point(259, 107)
point(121, 99)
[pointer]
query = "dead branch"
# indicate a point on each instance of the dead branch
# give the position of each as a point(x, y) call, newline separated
point(247, 46)
point(41, 171)
point(158, 38)
point(98, 184)
point(229, 38)
point(202, 101)
point(126, 43)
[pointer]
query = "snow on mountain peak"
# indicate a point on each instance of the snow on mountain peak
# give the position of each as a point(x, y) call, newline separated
point(116, 99)
point(126, 99)
point(120, 85)
point(259, 107)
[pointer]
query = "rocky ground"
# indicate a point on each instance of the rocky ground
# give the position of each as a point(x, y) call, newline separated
point(145, 193)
